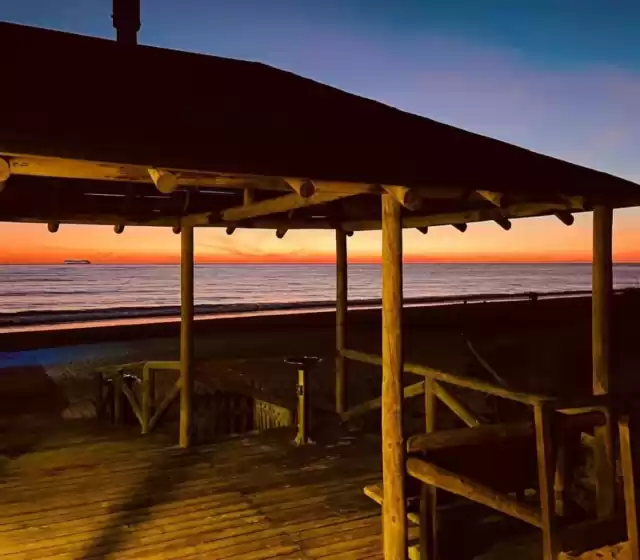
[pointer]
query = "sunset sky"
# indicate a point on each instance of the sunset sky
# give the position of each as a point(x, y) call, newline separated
point(562, 78)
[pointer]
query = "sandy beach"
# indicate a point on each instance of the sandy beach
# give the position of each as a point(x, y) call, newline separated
point(541, 346)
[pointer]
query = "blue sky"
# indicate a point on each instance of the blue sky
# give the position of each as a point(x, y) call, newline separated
point(561, 77)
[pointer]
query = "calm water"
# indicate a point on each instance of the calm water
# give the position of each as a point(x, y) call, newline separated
point(97, 287)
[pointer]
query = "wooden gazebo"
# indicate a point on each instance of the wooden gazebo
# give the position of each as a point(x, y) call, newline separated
point(113, 133)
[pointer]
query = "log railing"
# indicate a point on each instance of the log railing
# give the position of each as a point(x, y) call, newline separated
point(453, 379)
point(551, 418)
point(630, 474)
point(454, 404)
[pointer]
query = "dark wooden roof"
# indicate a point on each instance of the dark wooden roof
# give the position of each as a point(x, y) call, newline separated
point(83, 98)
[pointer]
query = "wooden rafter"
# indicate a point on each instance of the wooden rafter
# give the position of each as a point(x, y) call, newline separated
point(523, 210)
point(5, 172)
point(278, 205)
point(40, 166)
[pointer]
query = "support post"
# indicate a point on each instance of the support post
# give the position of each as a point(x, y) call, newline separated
point(148, 396)
point(600, 324)
point(100, 398)
point(118, 404)
point(428, 500)
point(631, 490)
point(393, 449)
point(303, 407)
point(543, 417)
point(186, 336)
point(341, 316)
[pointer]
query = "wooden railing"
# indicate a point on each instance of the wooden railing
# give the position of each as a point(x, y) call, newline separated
point(551, 417)
point(437, 378)
point(135, 383)
point(143, 410)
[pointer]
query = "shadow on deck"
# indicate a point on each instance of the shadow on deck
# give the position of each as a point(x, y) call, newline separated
point(255, 497)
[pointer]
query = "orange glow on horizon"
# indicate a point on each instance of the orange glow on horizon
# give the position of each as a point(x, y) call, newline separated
point(529, 241)
point(171, 259)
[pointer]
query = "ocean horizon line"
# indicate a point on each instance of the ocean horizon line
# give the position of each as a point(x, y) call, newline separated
point(318, 263)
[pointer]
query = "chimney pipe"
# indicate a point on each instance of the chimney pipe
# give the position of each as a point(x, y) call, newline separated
point(126, 20)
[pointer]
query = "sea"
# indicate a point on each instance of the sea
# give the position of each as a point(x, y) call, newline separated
point(139, 290)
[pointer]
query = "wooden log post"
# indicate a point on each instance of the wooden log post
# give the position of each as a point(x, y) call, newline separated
point(302, 437)
point(186, 336)
point(393, 453)
point(118, 404)
point(341, 316)
point(600, 324)
point(543, 418)
point(428, 499)
point(100, 398)
point(148, 396)
point(631, 490)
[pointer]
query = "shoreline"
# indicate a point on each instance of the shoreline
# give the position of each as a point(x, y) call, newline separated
point(74, 318)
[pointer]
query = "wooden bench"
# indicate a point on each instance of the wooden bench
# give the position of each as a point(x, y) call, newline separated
point(490, 463)
point(494, 465)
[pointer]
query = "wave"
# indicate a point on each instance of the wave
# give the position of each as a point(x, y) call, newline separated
point(160, 311)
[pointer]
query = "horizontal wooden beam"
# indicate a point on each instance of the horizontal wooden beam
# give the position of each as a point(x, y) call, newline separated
point(524, 210)
point(452, 379)
point(42, 166)
point(196, 220)
point(278, 205)
point(481, 435)
point(473, 490)
point(39, 166)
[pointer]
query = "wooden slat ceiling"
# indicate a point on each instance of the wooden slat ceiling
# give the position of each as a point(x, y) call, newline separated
point(222, 126)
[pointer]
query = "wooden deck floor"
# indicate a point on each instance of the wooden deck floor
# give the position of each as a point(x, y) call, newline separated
point(252, 498)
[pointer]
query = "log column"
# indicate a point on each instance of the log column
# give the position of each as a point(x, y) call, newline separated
point(341, 316)
point(393, 445)
point(428, 498)
point(186, 336)
point(600, 323)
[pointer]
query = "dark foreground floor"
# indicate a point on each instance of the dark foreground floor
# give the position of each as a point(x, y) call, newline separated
point(82, 497)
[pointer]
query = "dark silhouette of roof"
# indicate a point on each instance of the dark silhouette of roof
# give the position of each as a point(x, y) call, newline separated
point(79, 97)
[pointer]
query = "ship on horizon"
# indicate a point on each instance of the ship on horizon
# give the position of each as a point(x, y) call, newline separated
point(77, 261)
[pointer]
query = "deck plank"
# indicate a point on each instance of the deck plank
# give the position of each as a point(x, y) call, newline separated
point(254, 498)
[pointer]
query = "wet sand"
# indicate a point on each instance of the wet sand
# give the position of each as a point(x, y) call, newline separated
point(542, 346)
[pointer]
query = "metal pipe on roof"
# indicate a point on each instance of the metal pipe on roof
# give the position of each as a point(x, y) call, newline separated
point(126, 20)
